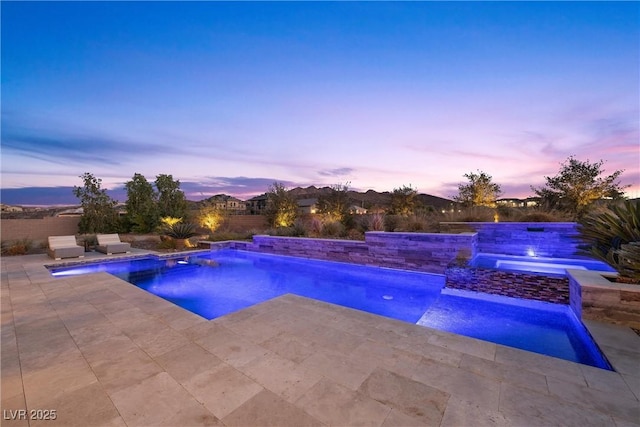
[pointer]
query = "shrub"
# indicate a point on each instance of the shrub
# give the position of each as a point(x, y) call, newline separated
point(16, 247)
point(376, 222)
point(315, 227)
point(538, 217)
point(391, 222)
point(613, 234)
point(333, 229)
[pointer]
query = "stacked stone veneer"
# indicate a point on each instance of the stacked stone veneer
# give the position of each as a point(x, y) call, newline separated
point(426, 252)
point(595, 297)
point(511, 284)
point(546, 239)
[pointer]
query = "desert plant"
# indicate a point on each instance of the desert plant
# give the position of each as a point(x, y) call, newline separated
point(181, 231)
point(612, 235)
point(16, 247)
point(376, 222)
point(628, 257)
point(333, 229)
point(538, 217)
point(315, 227)
point(391, 222)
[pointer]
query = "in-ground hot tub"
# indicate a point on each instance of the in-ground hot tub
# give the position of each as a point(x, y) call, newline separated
point(530, 264)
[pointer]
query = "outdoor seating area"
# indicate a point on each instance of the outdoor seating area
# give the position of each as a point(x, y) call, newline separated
point(111, 244)
point(100, 351)
point(64, 247)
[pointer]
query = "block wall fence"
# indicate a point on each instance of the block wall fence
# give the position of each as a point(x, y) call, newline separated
point(41, 228)
point(38, 229)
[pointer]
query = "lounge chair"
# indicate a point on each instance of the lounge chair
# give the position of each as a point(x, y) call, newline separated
point(111, 244)
point(64, 247)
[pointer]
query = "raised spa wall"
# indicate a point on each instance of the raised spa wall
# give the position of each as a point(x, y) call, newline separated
point(544, 239)
point(425, 252)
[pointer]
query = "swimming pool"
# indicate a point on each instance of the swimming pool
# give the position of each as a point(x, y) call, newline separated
point(530, 264)
point(217, 283)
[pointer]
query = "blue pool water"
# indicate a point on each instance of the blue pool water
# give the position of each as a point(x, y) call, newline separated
point(218, 283)
point(530, 264)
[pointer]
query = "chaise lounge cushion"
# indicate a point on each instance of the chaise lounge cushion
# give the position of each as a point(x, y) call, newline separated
point(64, 247)
point(111, 244)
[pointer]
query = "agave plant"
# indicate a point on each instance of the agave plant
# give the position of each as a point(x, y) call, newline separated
point(181, 231)
point(613, 235)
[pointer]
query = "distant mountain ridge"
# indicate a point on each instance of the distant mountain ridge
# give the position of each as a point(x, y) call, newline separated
point(369, 198)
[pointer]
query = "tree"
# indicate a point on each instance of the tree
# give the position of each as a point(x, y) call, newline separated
point(577, 185)
point(335, 204)
point(404, 200)
point(99, 209)
point(142, 209)
point(282, 207)
point(480, 191)
point(171, 200)
point(210, 216)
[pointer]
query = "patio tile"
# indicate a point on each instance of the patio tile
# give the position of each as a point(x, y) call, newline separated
point(123, 369)
point(397, 418)
point(12, 411)
point(412, 398)
point(236, 351)
point(222, 389)
point(506, 373)
point(431, 351)
point(179, 318)
point(288, 346)
point(334, 404)
point(256, 328)
point(87, 406)
point(478, 348)
point(160, 401)
point(459, 383)
point(342, 369)
point(58, 378)
point(460, 412)
point(185, 362)
point(373, 353)
point(548, 366)
point(282, 376)
point(623, 361)
point(633, 382)
point(527, 407)
point(607, 381)
point(161, 342)
point(268, 409)
point(620, 405)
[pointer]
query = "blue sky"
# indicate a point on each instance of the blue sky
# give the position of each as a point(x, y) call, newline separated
point(230, 97)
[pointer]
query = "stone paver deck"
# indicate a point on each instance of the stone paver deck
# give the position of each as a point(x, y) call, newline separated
point(100, 351)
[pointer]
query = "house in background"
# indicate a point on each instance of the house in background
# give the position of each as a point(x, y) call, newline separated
point(308, 206)
point(257, 205)
point(228, 203)
point(357, 210)
point(529, 202)
point(9, 208)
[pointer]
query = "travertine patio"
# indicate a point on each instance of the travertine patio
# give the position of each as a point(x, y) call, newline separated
point(100, 351)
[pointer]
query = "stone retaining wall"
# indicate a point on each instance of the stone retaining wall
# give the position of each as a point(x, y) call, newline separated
point(546, 239)
point(425, 252)
point(596, 298)
point(510, 284)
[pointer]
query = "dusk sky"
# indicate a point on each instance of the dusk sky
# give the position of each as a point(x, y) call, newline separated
point(230, 97)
